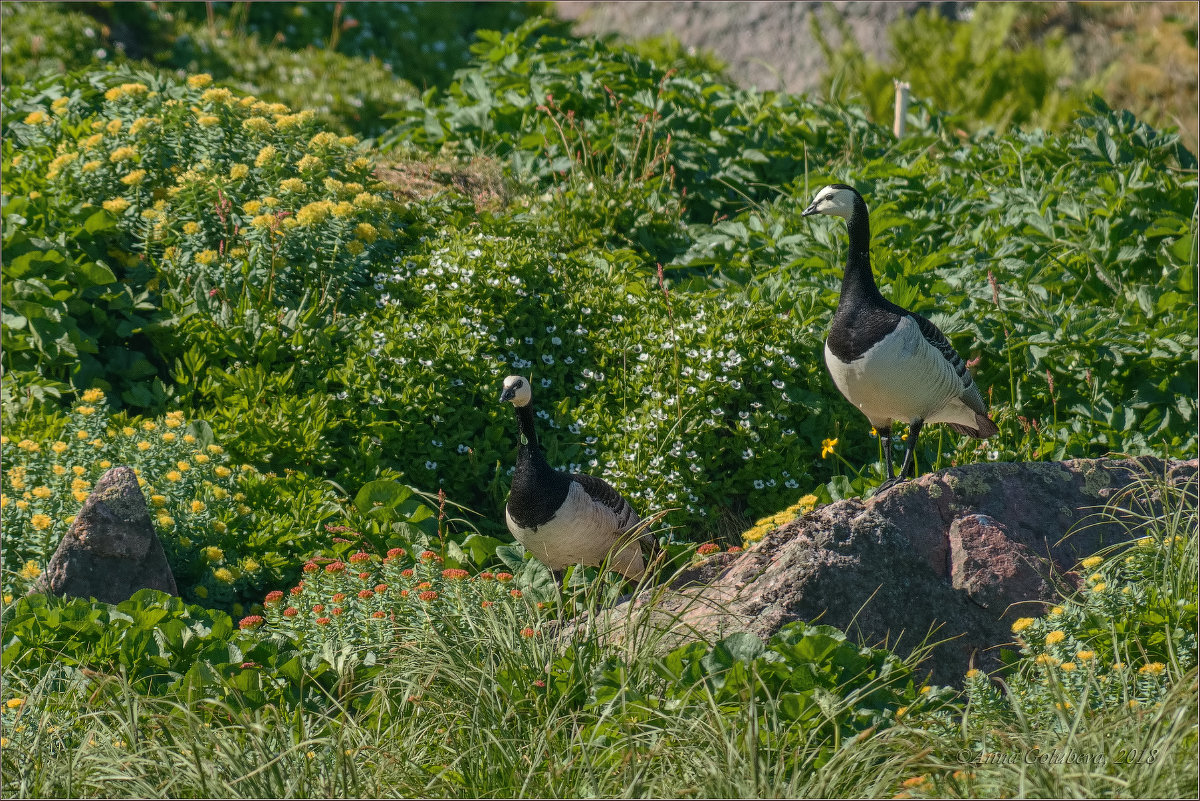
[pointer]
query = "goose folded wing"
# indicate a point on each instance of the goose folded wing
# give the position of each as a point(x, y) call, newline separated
point(602, 493)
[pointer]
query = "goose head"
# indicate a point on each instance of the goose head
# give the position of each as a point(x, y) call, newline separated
point(835, 200)
point(516, 391)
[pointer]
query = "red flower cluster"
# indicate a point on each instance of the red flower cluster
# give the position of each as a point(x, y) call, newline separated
point(454, 573)
point(322, 621)
point(291, 611)
point(311, 567)
point(487, 575)
point(707, 548)
point(504, 577)
point(380, 588)
point(250, 621)
point(515, 593)
point(377, 615)
point(335, 567)
point(407, 573)
point(360, 557)
point(299, 588)
point(427, 556)
point(273, 597)
point(336, 611)
point(395, 553)
point(318, 608)
point(527, 632)
point(338, 597)
point(428, 595)
point(365, 594)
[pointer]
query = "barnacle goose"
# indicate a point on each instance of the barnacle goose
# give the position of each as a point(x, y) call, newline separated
point(892, 363)
point(566, 519)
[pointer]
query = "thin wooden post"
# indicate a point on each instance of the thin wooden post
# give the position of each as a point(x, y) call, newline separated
point(901, 118)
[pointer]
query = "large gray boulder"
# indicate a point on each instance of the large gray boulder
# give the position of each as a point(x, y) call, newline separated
point(963, 552)
point(111, 550)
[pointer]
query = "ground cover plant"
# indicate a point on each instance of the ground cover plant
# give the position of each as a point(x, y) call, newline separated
point(195, 275)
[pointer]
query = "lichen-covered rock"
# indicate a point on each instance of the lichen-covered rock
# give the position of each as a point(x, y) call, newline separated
point(961, 553)
point(111, 550)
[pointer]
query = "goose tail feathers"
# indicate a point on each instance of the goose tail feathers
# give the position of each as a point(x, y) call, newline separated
point(984, 427)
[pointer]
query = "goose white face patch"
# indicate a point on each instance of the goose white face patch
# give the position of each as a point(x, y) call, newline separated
point(833, 201)
point(516, 390)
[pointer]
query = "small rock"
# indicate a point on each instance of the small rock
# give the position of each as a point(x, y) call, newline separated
point(111, 550)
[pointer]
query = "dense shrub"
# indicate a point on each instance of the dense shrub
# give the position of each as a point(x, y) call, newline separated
point(233, 202)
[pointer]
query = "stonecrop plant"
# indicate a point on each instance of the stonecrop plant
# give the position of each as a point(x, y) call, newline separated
point(1126, 637)
point(221, 549)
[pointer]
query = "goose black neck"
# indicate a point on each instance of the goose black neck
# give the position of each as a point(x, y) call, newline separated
point(529, 438)
point(858, 283)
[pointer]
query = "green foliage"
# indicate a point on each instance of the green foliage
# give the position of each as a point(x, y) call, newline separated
point(227, 531)
point(226, 206)
point(979, 73)
point(300, 54)
point(551, 105)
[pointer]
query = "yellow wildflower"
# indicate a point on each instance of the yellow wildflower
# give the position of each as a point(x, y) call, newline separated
point(174, 475)
point(143, 445)
point(14, 703)
point(265, 156)
point(168, 437)
point(215, 449)
point(31, 570)
point(1101, 587)
point(1084, 656)
point(124, 153)
point(827, 447)
point(1055, 637)
point(116, 205)
point(220, 527)
point(189, 439)
point(238, 171)
point(158, 500)
point(206, 256)
point(199, 81)
point(40, 522)
point(36, 117)
point(222, 471)
point(1152, 669)
point(198, 507)
point(1058, 610)
point(1021, 624)
point(59, 447)
point(291, 185)
point(134, 178)
point(223, 574)
point(42, 492)
point(1091, 562)
point(308, 163)
point(217, 95)
point(366, 232)
point(183, 465)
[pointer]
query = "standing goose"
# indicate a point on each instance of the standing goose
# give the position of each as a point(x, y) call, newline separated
point(567, 519)
point(893, 364)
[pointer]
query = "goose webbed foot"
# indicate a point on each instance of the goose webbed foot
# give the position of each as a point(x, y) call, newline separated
point(891, 482)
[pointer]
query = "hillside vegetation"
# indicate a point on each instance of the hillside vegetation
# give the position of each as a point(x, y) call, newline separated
point(299, 346)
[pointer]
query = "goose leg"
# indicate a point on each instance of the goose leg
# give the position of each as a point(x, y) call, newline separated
point(910, 462)
point(885, 434)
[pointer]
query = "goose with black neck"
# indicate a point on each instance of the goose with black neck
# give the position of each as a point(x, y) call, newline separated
point(892, 363)
point(568, 518)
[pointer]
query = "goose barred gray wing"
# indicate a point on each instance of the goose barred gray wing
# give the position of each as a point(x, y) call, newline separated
point(602, 492)
point(984, 427)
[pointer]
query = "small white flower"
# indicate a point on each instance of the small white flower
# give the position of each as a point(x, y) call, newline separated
point(758, 484)
point(431, 465)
